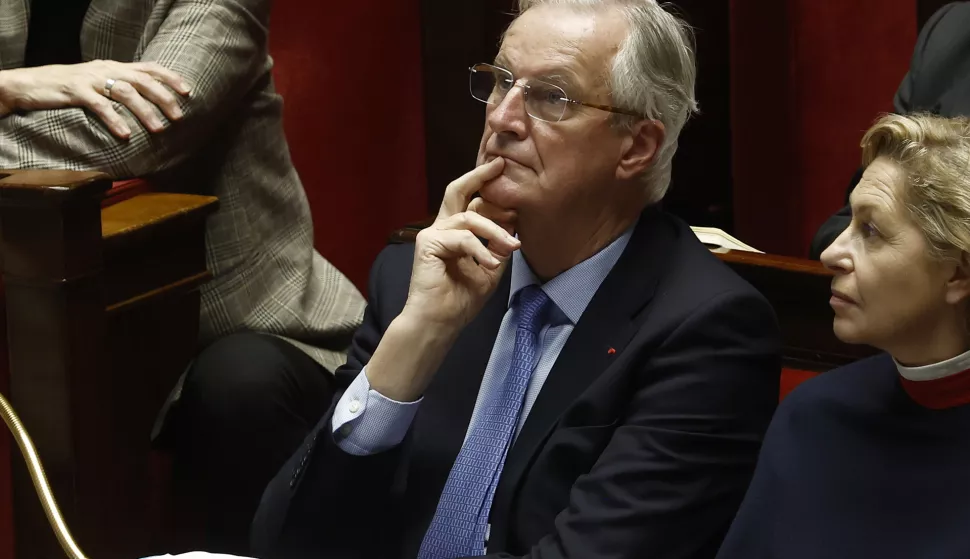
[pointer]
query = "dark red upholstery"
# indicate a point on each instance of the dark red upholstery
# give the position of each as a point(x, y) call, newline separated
point(791, 378)
point(808, 77)
point(350, 76)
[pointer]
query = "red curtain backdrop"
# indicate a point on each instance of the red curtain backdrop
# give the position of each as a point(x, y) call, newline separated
point(808, 77)
point(351, 79)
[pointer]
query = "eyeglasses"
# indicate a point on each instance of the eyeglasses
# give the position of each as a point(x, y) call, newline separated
point(543, 101)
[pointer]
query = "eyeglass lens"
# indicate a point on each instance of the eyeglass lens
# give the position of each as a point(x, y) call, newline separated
point(543, 101)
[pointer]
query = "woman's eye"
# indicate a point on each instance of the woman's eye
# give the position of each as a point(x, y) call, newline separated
point(868, 230)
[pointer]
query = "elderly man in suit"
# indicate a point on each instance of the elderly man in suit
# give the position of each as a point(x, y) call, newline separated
point(587, 382)
point(938, 82)
point(181, 92)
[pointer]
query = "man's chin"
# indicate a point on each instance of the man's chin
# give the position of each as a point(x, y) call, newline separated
point(502, 192)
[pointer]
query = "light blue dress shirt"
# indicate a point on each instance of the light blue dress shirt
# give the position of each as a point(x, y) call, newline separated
point(365, 422)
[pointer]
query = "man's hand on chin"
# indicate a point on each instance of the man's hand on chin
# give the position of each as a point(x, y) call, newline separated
point(506, 219)
point(453, 275)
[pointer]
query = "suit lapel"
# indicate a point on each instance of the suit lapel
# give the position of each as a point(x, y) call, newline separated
point(608, 323)
point(14, 18)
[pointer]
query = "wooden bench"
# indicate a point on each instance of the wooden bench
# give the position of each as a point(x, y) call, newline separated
point(101, 296)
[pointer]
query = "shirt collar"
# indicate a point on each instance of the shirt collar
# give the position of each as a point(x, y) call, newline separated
point(938, 386)
point(947, 368)
point(573, 289)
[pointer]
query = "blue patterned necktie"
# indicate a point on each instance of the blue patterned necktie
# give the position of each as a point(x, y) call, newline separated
point(459, 524)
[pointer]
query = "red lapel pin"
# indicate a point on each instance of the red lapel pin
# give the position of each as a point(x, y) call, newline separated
point(611, 351)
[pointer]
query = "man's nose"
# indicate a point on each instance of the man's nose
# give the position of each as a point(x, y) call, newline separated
point(510, 115)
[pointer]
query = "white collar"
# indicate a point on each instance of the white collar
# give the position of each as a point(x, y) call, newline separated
point(935, 371)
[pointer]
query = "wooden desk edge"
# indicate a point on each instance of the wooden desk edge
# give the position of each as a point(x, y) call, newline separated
point(50, 187)
point(151, 209)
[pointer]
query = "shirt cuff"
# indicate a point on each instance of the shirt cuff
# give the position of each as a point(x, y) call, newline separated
point(383, 426)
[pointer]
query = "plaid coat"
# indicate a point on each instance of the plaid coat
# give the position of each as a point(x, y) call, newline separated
point(230, 144)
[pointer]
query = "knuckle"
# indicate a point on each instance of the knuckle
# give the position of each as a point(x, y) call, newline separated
point(422, 236)
point(167, 99)
point(100, 104)
point(140, 79)
point(158, 70)
point(462, 220)
point(457, 184)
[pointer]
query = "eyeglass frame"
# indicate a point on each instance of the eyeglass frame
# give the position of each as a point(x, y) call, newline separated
point(515, 83)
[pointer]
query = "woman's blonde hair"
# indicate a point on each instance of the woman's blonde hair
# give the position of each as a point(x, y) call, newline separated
point(934, 154)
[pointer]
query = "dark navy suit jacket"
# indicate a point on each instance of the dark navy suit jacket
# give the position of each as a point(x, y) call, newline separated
point(642, 451)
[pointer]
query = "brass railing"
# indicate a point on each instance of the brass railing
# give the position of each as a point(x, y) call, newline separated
point(37, 475)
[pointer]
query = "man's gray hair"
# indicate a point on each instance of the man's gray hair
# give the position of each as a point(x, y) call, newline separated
point(653, 73)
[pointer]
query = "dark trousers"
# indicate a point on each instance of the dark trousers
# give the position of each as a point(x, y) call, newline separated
point(248, 402)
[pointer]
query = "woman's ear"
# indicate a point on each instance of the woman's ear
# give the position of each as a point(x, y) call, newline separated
point(958, 286)
point(640, 148)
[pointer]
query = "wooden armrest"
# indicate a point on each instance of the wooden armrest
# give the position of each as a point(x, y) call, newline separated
point(73, 183)
point(53, 220)
point(145, 213)
point(151, 247)
point(56, 185)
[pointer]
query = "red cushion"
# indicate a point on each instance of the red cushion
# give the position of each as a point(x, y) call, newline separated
point(790, 378)
point(123, 190)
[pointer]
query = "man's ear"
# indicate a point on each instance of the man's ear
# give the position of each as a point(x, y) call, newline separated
point(958, 286)
point(640, 148)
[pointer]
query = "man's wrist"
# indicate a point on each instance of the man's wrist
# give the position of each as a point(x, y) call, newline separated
point(407, 357)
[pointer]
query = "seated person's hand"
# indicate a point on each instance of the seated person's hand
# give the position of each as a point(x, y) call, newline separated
point(93, 85)
point(454, 272)
point(452, 276)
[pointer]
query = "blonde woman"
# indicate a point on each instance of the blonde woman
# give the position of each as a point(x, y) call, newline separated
point(873, 459)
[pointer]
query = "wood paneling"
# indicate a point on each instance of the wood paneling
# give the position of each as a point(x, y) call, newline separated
point(102, 313)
